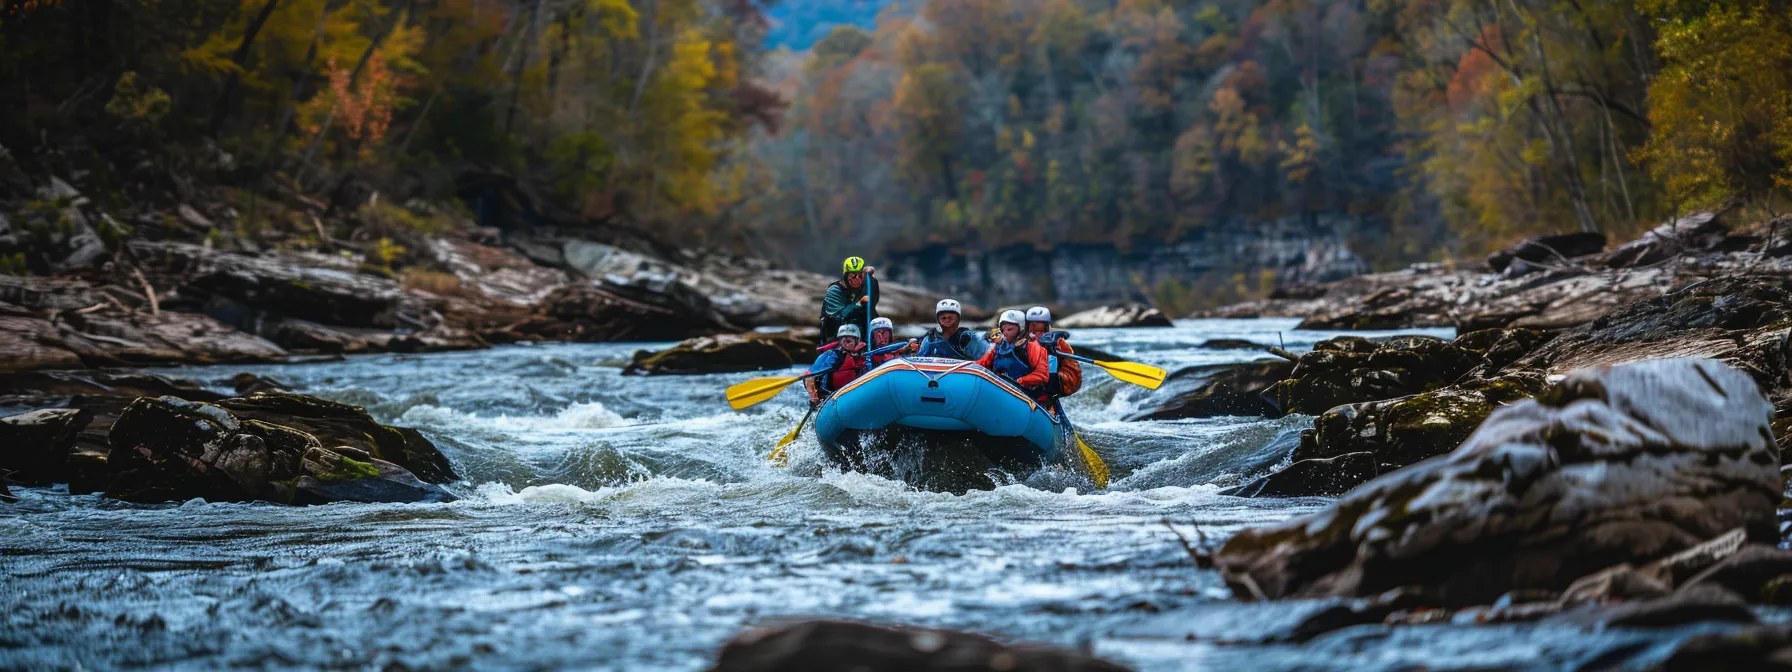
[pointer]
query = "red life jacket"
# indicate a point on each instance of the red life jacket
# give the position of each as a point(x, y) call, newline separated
point(848, 369)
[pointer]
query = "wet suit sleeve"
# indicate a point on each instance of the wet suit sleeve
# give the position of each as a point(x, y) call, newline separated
point(1042, 366)
point(988, 359)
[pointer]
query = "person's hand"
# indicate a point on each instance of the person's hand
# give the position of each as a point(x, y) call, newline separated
point(914, 345)
point(864, 299)
point(870, 270)
point(814, 398)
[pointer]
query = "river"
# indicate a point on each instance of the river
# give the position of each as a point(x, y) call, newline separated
point(612, 522)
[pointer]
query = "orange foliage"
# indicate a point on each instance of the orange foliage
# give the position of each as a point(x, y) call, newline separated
point(1475, 73)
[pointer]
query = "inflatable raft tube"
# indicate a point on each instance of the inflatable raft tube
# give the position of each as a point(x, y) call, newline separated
point(937, 407)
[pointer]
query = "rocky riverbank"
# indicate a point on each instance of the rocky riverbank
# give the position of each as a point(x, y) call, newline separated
point(210, 275)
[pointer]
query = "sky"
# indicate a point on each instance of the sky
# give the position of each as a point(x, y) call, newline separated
point(797, 24)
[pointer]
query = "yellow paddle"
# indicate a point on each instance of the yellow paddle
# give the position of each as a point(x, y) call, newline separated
point(778, 456)
point(1142, 375)
point(742, 395)
point(1098, 470)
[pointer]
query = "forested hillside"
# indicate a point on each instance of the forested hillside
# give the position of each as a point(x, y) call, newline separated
point(1461, 124)
point(618, 109)
point(1453, 125)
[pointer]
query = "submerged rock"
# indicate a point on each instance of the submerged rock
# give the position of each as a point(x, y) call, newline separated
point(34, 446)
point(167, 449)
point(1115, 316)
point(842, 645)
point(1609, 466)
point(728, 353)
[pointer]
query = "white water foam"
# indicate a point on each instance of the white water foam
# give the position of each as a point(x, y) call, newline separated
point(590, 415)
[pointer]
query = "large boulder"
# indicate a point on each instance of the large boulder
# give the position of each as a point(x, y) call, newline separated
point(727, 353)
point(842, 645)
point(1615, 465)
point(336, 424)
point(34, 446)
point(1211, 391)
point(1548, 249)
point(167, 449)
point(1115, 316)
point(1351, 369)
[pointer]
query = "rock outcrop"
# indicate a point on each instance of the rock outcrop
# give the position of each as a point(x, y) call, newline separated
point(169, 449)
point(728, 353)
point(1115, 316)
point(61, 323)
point(1625, 464)
point(1547, 249)
point(1538, 289)
point(842, 645)
point(34, 446)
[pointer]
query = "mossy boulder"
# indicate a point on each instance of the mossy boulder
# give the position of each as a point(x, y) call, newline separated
point(170, 449)
point(1351, 369)
point(337, 424)
point(729, 353)
point(1408, 429)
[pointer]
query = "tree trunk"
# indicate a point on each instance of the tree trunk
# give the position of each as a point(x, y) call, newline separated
point(220, 107)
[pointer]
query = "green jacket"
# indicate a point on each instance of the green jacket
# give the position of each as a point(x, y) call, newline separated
point(841, 306)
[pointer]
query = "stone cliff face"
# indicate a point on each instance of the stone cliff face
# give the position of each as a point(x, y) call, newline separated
point(1299, 250)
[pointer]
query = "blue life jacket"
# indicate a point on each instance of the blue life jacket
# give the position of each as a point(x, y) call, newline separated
point(958, 346)
point(1010, 362)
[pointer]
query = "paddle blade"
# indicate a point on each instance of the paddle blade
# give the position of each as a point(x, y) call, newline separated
point(778, 456)
point(1142, 375)
point(1098, 470)
point(742, 395)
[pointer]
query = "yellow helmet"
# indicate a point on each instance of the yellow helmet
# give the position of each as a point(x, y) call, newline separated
point(853, 265)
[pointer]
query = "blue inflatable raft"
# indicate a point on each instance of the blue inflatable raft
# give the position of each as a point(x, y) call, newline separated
point(939, 423)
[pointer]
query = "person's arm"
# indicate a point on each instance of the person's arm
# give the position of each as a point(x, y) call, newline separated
point(1042, 367)
point(823, 362)
point(835, 305)
point(1070, 371)
point(988, 359)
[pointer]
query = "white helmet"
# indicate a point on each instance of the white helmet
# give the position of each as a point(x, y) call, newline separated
point(882, 323)
point(947, 306)
point(1039, 314)
point(1014, 317)
point(849, 330)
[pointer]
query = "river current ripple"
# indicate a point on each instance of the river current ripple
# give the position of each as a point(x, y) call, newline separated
point(612, 522)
